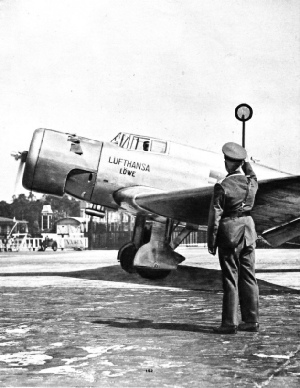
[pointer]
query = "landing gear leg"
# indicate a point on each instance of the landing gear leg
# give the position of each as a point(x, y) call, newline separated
point(156, 259)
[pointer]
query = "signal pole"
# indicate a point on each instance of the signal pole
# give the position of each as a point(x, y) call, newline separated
point(243, 112)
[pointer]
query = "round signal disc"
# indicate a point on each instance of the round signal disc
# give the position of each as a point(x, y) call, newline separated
point(243, 112)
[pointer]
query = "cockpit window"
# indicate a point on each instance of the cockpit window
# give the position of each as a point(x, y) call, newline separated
point(140, 143)
point(158, 146)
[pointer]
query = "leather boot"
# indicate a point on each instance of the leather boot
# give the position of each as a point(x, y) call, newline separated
point(225, 329)
point(250, 326)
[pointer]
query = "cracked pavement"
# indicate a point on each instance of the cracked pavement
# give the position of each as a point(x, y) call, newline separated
point(76, 319)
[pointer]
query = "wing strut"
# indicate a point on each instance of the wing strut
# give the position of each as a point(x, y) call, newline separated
point(182, 235)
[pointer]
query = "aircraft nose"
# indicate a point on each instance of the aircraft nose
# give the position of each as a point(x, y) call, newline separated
point(59, 163)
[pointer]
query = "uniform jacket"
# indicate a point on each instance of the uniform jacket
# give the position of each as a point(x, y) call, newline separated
point(225, 229)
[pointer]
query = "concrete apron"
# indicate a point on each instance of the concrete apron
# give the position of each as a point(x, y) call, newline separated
point(82, 333)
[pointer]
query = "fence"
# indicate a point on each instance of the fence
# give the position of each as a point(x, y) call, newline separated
point(35, 244)
point(194, 239)
point(116, 238)
point(21, 244)
point(77, 243)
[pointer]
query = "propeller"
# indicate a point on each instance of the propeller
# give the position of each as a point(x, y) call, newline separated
point(21, 156)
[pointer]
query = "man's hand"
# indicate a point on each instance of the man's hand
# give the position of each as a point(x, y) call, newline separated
point(212, 251)
point(247, 159)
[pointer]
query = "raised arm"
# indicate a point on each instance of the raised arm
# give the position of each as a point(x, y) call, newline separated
point(248, 170)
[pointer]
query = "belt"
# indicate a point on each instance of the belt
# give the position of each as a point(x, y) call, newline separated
point(236, 214)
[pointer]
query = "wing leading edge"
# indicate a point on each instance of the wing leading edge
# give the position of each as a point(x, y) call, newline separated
point(277, 203)
point(189, 206)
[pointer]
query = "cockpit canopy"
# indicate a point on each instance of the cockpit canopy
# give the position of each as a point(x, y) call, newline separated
point(140, 143)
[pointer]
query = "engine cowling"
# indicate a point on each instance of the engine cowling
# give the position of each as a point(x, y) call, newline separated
point(59, 163)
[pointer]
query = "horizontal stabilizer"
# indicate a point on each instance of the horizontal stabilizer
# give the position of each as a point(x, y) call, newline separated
point(283, 233)
point(277, 203)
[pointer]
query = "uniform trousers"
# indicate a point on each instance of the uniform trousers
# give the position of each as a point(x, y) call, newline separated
point(239, 284)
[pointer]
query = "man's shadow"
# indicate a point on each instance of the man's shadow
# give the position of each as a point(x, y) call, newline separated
point(137, 323)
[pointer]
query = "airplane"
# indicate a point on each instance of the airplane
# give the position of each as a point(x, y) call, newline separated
point(160, 182)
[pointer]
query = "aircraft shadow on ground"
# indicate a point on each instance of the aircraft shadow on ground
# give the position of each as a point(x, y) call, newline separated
point(186, 277)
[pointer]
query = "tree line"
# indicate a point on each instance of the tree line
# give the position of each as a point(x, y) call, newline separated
point(28, 208)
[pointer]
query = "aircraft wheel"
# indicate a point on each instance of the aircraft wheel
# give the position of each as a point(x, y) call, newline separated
point(152, 274)
point(126, 256)
point(54, 246)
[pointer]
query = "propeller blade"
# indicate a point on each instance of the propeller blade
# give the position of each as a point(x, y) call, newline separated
point(18, 186)
point(21, 156)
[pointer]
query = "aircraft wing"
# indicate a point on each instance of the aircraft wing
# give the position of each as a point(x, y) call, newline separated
point(189, 206)
point(277, 204)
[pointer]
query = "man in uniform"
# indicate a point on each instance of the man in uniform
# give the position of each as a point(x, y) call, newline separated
point(231, 229)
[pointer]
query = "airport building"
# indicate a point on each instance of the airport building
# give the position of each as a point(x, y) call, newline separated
point(8, 225)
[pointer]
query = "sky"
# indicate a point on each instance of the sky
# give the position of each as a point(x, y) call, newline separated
point(173, 69)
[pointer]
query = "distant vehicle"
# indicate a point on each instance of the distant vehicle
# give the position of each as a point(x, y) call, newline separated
point(48, 243)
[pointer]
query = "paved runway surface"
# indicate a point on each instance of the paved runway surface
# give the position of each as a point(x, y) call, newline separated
point(76, 319)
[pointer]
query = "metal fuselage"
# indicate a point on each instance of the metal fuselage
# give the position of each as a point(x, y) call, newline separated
point(92, 170)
